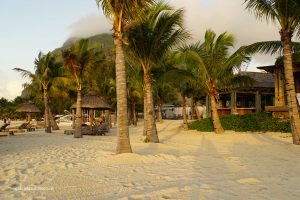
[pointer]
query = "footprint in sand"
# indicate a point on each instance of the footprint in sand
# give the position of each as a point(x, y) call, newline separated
point(248, 181)
point(166, 196)
point(138, 197)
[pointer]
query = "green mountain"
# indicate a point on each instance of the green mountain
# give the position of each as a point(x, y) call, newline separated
point(105, 40)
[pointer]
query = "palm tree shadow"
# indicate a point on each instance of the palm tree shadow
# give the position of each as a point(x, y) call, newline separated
point(169, 137)
point(269, 139)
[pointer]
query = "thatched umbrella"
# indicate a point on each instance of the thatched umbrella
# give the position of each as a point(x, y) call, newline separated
point(28, 108)
point(91, 102)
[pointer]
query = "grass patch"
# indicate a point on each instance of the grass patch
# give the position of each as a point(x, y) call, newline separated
point(251, 122)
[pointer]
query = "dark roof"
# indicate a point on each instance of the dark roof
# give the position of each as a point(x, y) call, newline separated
point(269, 68)
point(262, 80)
point(28, 108)
point(92, 101)
point(279, 63)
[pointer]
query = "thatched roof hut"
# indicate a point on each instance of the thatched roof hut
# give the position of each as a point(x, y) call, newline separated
point(92, 101)
point(28, 108)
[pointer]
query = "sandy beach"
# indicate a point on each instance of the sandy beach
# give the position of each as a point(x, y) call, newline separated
point(185, 165)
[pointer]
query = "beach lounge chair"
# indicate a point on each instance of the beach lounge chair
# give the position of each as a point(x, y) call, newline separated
point(3, 128)
point(100, 129)
point(20, 128)
point(4, 131)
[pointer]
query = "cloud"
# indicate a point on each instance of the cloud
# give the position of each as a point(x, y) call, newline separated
point(200, 15)
point(10, 89)
point(230, 16)
point(90, 25)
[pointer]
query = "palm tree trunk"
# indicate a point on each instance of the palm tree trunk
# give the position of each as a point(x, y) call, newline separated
point(215, 116)
point(193, 108)
point(159, 111)
point(197, 113)
point(290, 86)
point(78, 121)
point(145, 113)
point(73, 119)
point(184, 117)
point(151, 131)
point(46, 118)
point(110, 120)
point(107, 118)
point(123, 143)
point(52, 120)
point(134, 121)
point(91, 116)
point(130, 115)
point(29, 117)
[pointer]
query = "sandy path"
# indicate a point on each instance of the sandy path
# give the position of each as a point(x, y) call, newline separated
point(185, 165)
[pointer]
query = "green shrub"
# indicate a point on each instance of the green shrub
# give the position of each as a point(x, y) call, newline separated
point(250, 122)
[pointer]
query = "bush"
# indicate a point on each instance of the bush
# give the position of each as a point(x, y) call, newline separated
point(250, 122)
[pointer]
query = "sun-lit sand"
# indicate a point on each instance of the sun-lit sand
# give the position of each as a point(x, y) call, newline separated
point(185, 165)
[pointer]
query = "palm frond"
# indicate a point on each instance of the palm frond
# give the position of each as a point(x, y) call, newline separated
point(25, 73)
point(263, 9)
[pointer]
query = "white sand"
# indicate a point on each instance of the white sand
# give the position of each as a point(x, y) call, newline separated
point(185, 165)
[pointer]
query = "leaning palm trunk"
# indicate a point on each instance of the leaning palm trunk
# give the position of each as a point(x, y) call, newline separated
point(145, 113)
point(134, 119)
point(46, 119)
point(290, 86)
point(78, 121)
point(123, 144)
point(184, 117)
point(151, 131)
point(107, 119)
point(159, 111)
point(215, 116)
point(197, 112)
point(52, 120)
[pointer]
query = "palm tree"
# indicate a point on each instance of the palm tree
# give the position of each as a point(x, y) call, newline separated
point(121, 12)
point(78, 58)
point(47, 69)
point(215, 66)
point(150, 40)
point(286, 13)
point(135, 91)
point(191, 84)
point(163, 88)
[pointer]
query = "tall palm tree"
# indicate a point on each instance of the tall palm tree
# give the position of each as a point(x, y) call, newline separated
point(191, 84)
point(135, 91)
point(47, 69)
point(78, 58)
point(150, 40)
point(163, 88)
point(215, 66)
point(287, 14)
point(121, 12)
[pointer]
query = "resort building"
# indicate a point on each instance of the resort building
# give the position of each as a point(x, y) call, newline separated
point(246, 99)
point(280, 109)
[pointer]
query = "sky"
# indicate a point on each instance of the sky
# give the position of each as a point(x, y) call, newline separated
point(28, 27)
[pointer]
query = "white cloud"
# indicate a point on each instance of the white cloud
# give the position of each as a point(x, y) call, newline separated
point(230, 16)
point(90, 25)
point(200, 15)
point(10, 89)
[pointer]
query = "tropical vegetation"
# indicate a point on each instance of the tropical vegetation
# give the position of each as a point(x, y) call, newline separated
point(146, 63)
point(254, 122)
point(287, 15)
point(47, 69)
